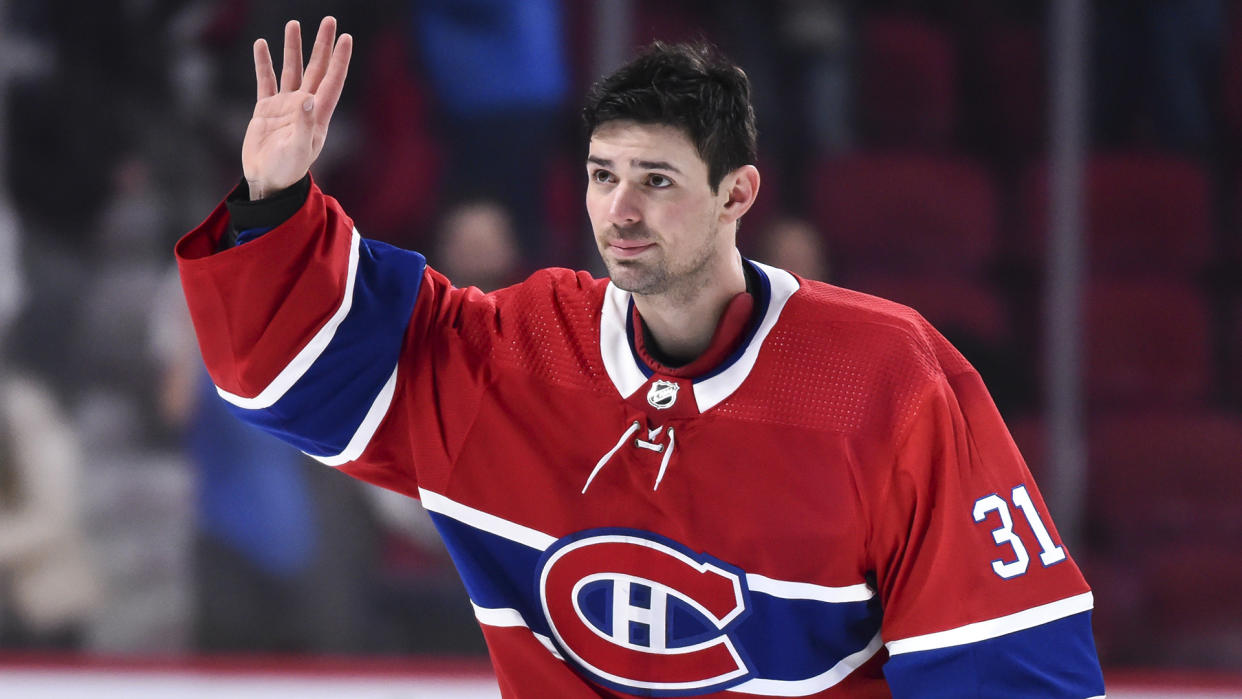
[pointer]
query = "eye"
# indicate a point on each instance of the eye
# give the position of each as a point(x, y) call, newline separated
point(601, 176)
point(658, 181)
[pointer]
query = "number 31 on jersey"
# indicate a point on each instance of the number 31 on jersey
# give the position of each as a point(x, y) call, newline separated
point(1049, 553)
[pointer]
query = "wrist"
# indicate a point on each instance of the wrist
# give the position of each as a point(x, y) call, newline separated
point(251, 205)
point(257, 191)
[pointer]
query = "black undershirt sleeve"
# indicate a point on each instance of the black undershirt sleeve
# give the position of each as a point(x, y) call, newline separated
point(267, 212)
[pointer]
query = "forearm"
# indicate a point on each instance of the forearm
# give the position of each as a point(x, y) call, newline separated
point(250, 217)
point(301, 327)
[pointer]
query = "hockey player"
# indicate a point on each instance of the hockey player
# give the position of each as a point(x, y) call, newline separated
point(701, 476)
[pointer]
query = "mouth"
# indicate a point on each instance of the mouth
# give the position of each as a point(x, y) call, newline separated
point(628, 248)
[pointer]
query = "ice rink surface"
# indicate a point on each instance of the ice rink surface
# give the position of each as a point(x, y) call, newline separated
point(67, 682)
point(92, 684)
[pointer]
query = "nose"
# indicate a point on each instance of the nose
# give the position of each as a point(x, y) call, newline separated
point(623, 209)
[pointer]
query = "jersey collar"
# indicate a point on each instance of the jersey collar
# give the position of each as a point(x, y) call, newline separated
point(628, 372)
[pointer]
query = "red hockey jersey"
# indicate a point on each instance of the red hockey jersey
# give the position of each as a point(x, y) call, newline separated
point(834, 510)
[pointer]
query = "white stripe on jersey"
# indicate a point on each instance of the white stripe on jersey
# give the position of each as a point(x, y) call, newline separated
point(811, 685)
point(302, 362)
point(983, 630)
point(362, 436)
point(710, 392)
point(435, 502)
point(511, 618)
point(797, 590)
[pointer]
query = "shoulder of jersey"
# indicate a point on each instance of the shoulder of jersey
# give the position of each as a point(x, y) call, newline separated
point(557, 282)
point(549, 326)
point(838, 304)
point(859, 363)
point(854, 317)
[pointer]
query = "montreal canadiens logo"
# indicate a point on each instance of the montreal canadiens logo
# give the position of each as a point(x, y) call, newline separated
point(640, 613)
point(663, 394)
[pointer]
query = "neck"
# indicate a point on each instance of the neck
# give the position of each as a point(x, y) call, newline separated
point(682, 322)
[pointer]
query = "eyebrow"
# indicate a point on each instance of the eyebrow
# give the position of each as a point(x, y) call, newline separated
point(643, 164)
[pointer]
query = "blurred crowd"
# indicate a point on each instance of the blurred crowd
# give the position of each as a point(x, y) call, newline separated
point(902, 150)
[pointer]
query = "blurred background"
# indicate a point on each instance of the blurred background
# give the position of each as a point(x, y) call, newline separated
point(1055, 185)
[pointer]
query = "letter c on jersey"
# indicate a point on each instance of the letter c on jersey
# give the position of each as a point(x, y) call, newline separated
point(635, 611)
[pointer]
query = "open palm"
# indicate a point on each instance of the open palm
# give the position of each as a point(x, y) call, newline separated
point(290, 121)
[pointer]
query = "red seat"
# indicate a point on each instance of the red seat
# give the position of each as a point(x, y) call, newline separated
point(1165, 478)
point(1147, 342)
point(1146, 214)
point(907, 90)
point(1162, 504)
point(1217, 581)
point(1167, 604)
point(902, 212)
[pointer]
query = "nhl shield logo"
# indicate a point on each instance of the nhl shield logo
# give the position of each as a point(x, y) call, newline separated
point(663, 394)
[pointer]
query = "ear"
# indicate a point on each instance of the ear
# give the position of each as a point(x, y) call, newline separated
point(740, 188)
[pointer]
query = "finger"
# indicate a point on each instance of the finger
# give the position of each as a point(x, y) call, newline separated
point(264, 73)
point(320, 54)
point(291, 67)
point(333, 81)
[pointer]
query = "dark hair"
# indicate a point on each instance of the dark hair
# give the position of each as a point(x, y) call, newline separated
point(690, 87)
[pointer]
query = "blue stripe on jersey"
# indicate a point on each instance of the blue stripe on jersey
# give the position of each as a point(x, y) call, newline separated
point(498, 573)
point(1056, 660)
point(794, 639)
point(783, 639)
point(629, 337)
point(320, 413)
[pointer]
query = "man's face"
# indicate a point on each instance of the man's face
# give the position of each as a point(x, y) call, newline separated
point(656, 220)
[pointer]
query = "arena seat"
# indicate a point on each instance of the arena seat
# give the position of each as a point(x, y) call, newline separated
point(1160, 476)
point(902, 213)
point(1147, 342)
point(1162, 507)
point(1147, 214)
point(908, 83)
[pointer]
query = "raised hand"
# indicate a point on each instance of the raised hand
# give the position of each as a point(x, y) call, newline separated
point(290, 123)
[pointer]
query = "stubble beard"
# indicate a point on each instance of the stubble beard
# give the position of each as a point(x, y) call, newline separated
point(659, 278)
